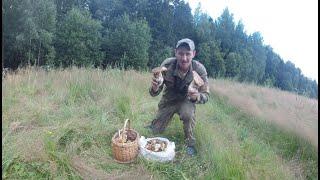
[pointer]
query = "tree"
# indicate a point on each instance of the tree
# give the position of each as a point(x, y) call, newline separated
point(159, 15)
point(284, 78)
point(272, 63)
point(205, 57)
point(140, 34)
point(127, 43)
point(204, 26)
point(239, 39)
point(13, 26)
point(79, 40)
point(64, 6)
point(29, 28)
point(256, 49)
point(232, 65)
point(225, 31)
point(159, 53)
point(211, 57)
point(182, 21)
point(245, 66)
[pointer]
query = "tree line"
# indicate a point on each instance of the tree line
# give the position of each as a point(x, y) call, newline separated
point(140, 34)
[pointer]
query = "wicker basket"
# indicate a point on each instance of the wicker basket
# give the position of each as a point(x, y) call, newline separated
point(128, 151)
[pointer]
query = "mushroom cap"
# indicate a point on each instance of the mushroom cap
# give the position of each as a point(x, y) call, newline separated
point(159, 69)
point(197, 79)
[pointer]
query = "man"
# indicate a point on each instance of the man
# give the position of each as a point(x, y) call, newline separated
point(177, 97)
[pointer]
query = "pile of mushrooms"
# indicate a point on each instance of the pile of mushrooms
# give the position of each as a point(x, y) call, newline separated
point(126, 136)
point(156, 145)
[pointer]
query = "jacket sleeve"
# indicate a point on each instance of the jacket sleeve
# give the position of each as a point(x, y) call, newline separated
point(204, 94)
point(204, 89)
point(153, 94)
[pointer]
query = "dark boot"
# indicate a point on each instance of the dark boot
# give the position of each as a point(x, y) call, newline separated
point(191, 150)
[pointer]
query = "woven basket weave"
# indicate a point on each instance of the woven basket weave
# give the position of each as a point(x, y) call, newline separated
point(125, 152)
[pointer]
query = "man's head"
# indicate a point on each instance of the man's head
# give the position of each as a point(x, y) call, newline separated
point(185, 52)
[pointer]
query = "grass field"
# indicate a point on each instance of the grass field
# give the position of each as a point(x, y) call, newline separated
point(291, 112)
point(59, 124)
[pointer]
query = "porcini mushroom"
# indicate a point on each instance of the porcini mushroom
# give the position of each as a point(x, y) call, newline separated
point(158, 70)
point(197, 79)
point(196, 83)
point(157, 73)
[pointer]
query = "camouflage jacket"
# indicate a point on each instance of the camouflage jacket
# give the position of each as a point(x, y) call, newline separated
point(176, 89)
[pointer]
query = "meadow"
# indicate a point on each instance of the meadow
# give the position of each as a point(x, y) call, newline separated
point(58, 124)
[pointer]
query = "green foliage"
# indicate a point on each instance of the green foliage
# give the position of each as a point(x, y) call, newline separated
point(204, 26)
point(258, 57)
point(245, 66)
point(78, 40)
point(212, 58)
point(158, 52)
point(182, 23)
point(225, 31)
point(123, 107)
point(66, 138)
point(64, 6)
point(127, 43)
point(232, 65)
point(17, 169)
point(59, 158)
point(271, 70)
point(29, 28)
point(159, 15)
point(140, 34)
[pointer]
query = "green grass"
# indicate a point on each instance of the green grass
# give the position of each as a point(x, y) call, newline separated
point(265, 142)
point(69, 117)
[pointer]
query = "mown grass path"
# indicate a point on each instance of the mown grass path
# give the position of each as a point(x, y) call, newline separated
point(59, 124)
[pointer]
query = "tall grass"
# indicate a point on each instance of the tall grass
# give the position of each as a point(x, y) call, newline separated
point(58, 125)
point(267, 143)
point(292, 112)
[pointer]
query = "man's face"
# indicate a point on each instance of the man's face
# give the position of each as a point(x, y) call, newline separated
point(184, 57)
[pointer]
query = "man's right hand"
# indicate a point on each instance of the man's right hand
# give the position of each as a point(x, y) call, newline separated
point(154, 84)
point(193, 94)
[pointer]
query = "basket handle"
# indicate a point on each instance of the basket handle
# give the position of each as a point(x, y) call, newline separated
point(124, 129)
point(125, 124)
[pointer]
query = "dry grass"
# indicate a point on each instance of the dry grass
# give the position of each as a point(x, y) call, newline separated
point(58, 125)
point(290, 111)
point(37, 104)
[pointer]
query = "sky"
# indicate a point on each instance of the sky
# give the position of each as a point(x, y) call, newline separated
point(290, 27)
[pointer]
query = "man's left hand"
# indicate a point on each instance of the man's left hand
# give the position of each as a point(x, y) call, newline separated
point(193, 94)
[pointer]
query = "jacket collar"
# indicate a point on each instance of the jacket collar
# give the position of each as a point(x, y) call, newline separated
point(189, 75)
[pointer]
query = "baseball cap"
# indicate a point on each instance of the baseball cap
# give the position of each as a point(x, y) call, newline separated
point(189, 42)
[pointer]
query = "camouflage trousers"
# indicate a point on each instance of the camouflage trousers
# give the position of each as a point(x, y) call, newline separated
point(186, 111)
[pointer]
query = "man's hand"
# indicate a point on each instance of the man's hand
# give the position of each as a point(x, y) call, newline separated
point(155, 84)
point(193, 94)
